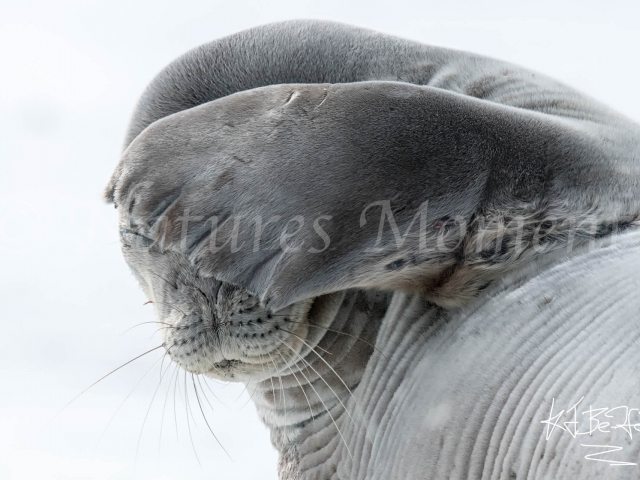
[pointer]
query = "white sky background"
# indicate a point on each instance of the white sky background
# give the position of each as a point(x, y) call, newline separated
point(70, 73)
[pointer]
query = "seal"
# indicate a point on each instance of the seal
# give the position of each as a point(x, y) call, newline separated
point(279, 184)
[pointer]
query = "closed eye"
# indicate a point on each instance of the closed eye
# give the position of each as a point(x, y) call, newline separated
point(130, 238)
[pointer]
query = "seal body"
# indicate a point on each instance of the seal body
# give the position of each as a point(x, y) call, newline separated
point(288, 192)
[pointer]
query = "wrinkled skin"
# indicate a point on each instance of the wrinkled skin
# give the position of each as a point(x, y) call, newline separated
point(250, 192)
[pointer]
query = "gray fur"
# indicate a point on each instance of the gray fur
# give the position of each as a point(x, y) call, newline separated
point(472, 136)
point(324, 126)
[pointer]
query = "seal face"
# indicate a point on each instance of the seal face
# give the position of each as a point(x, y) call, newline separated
point(211, 327)
point(227, 333)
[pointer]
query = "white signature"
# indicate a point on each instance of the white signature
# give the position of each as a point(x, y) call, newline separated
point(600, 420)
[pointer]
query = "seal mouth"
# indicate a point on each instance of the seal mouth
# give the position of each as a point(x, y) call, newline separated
point(235, 338)
point(228, 370)
point(227, 364)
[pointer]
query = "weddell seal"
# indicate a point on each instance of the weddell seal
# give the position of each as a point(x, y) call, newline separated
point(287, 191)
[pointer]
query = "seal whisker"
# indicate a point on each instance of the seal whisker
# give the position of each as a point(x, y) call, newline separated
point(186, 395)
point(205, 418)
point(255, 388)
point(205, 396)
point(345, 386)
point(144, 421)
point(186, 407)
point(296, 378)
point(318, 395)
point(303, 340)
point(164, 408)
point(173, 285)
point(284, 399)
point(98, 381)
point(104, 431)
point(175, 413)
point(333, 391)
point(203, 393)
point(338, 332)
point(313, 419)
point(168, 325)
point(273, 387)
point(171, 306)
